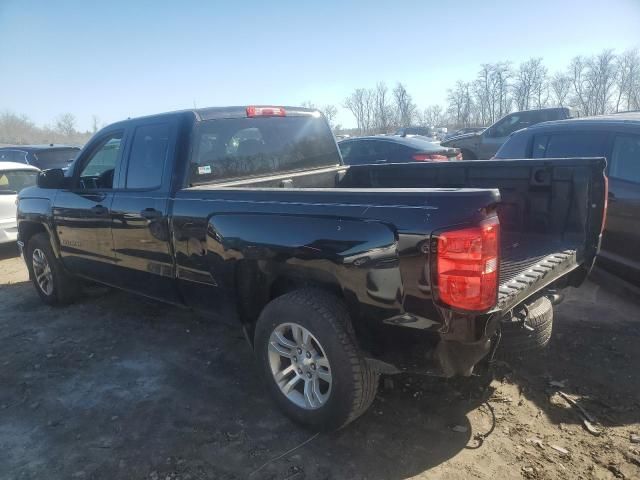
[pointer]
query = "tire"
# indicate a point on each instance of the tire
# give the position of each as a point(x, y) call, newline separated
point(60, 288)
point(516, 339)
point(353, 384)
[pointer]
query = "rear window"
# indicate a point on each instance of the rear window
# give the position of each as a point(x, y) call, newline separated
point(515, 146)
point(58, 158)
point(17, 156)
point(15, 180)
point(244, 147)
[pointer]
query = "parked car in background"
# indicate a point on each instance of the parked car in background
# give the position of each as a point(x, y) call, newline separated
point(13, 178)
point(616, 137)
point(464, 131)
point(422, 131)
point(393, 149)
point(41, 156)
point(484, 145)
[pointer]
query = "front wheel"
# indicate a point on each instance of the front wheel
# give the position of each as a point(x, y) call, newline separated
point(53, 284)
point(314, 370)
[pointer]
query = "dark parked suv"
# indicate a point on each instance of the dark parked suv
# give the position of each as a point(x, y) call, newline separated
point(41, 156)
point(616, 137)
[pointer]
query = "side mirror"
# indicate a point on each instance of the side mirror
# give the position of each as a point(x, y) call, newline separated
point(52, 179)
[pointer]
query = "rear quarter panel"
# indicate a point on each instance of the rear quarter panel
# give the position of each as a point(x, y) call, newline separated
point(369, 246)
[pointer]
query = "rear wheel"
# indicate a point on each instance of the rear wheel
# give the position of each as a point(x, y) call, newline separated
point(313, 368)
point(53, 284)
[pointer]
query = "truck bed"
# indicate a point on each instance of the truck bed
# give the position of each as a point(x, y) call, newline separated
point(547, 226)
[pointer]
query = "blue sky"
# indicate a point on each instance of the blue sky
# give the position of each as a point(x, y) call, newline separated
point(117, 59)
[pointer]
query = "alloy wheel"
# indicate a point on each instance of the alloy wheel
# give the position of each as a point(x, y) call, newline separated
point(299, 366)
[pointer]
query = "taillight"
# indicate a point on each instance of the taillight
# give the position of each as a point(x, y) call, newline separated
point(266, 112)
point(606, 203)
point(430, 157)
point(467, 266)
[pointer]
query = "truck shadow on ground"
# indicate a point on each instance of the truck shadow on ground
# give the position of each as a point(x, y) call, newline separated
point(120, 386)
point(592, 357)
point(116, 385)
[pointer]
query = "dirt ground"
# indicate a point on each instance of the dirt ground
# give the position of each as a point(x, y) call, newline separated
point(116, 386)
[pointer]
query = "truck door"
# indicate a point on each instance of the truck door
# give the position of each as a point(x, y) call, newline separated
point(622, 232)
point(81, 214)
point(140, 209)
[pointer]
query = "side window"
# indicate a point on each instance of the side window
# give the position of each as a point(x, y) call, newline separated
point(148, 156)
point(345, 149)
point(625, 158)
point(539, 147)
point(509, 125)
point(98, 170)
point(567, 145)
point(378, 150)
point(515, 146)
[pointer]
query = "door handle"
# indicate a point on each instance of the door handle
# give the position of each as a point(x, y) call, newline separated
point(150, 213)
point(99, 210)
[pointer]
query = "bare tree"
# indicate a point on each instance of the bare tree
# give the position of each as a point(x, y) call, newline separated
point(579, 84)
point(65, 124)
point(593, 80)
point(530, 88)
point(330, 112)
point(460, 103)
point(95, 121)
point(383, 109)
point(628, 81)
point(601, 78)
point(405, 108)
point(433, 116)
point(560, 84)
point(19, 130)
point(361, 104)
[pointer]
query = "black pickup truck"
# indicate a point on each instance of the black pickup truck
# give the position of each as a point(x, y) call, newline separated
point(336, 274)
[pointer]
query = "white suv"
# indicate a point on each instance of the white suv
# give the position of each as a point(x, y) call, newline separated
point(13, 178)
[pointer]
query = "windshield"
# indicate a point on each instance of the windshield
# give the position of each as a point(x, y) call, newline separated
point(15, 180)
point(244, 147)
point(57, 158)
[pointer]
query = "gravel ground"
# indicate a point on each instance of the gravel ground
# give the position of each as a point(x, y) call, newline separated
point(116, 386)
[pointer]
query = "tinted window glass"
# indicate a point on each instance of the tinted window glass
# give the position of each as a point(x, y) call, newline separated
point(369, 151)
point(58, 158)
point(509, 125)
point(515, 146)
point(99, 169)
point(539, 147)
point(16, 180)
point(148, 156)
point(345, 149)
point(567, 145)
point(242, 147)
point(13, 156)
point(625, 158)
